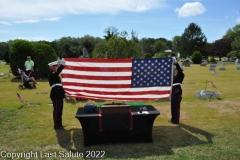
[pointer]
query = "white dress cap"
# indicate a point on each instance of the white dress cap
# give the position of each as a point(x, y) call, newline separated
point(55, 63)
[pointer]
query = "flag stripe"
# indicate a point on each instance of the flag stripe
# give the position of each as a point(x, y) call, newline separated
point(75, 91)
point(76, 77)
point(116, 79)
point(96, 68)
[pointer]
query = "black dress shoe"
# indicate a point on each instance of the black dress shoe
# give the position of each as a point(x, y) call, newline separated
point(59, 128)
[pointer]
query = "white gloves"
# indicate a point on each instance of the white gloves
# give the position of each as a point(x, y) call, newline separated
point(174, 60)
point(61, 62)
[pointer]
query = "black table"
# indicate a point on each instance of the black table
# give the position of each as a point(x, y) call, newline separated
point(135, 126)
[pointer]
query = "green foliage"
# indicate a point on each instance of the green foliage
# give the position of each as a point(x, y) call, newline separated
point(148, 55)
point(4, 49)
point(117, 47)
point(44, 54)
point(159, 46)
point(197, 57)
point(160, 55)
point(192, 40)
point(232, 33)
point(19, 51)
point(212, 59)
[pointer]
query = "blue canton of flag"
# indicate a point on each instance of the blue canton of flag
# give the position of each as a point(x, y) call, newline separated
point(151, 72)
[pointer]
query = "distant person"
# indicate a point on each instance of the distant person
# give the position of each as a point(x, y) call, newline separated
point(25, 78)
point(57, 93)
point(176, 94)
point(29, 67)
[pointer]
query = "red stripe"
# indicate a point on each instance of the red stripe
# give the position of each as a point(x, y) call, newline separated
point(96, 77)
point(98, 60)
point(178, 108)
point(112, 98)
point(96, 85)
point(131, 120)
point(99, 69)
point(120, 93)
point(100, 119)
point(56, 113)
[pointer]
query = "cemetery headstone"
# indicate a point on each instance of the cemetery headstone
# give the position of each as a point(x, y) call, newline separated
point(238, 67)
point(221, 68)
point(211, 68)
point(237, 60)
point(213, 65)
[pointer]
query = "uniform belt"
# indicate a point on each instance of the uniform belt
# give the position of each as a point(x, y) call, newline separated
point(175, 84)
point(56, 84)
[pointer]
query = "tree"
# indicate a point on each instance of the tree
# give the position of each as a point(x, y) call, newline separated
point(4, 49)
point(192, 40)
point(221, 48)
point(159, 46)
point(110, 31)
point(44, 54)
point(117, 47)
point(19, 51)
point(146, 44)
point(196, 57)
point(232, 33)
point(235, 48)
point(176, 44)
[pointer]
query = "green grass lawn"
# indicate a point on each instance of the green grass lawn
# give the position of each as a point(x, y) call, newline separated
point(208, 129)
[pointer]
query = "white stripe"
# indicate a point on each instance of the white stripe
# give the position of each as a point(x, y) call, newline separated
point(90, 73)
point(66, 87)
point(121, 96)
point(56, 84)
point(97, 81)
point(175, 84)
point(99, 64)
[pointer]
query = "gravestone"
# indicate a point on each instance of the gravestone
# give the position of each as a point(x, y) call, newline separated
point(207, 94)
point(211, 68)
point(221, 68)
point(237, 61)
point(213, 65)
point(238, 67)
point(203, 64)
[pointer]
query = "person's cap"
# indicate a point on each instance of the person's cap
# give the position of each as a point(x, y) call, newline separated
point(55, 63)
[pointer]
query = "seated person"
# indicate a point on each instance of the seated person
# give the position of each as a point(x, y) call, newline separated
point(25, 78)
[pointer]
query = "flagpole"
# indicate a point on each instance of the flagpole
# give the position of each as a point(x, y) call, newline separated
point(206, 85)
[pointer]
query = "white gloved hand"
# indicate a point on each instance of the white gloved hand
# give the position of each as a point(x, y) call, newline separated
point(59, 62)
point(63, 62)
point(174, 60)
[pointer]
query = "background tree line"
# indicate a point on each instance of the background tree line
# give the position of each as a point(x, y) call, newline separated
point(119, 44)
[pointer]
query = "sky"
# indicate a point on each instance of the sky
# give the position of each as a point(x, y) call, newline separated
point(50, 20)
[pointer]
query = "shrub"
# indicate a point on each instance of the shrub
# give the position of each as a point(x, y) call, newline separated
point(44, 54)
point(197, 57)
point(19, 51)
point(148, 55)
point(212, 60)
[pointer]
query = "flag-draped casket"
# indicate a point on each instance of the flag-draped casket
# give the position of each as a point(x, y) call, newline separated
point(118, 79)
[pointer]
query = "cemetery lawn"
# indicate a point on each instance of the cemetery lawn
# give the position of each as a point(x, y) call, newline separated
point(208, 129)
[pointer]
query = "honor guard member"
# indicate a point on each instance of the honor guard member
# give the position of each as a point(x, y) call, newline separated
point(176, 94)
point(57, 92)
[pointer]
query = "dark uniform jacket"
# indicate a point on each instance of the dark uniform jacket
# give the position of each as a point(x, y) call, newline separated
point(53, 78)
point(177, 79)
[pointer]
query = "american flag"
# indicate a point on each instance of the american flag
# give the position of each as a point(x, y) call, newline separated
point(19, 71)
point(20, 97)
point(118, 79)
point(211, 83)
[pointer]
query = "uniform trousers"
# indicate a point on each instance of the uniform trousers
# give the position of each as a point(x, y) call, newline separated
point(175, 107)
point(57, 112)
